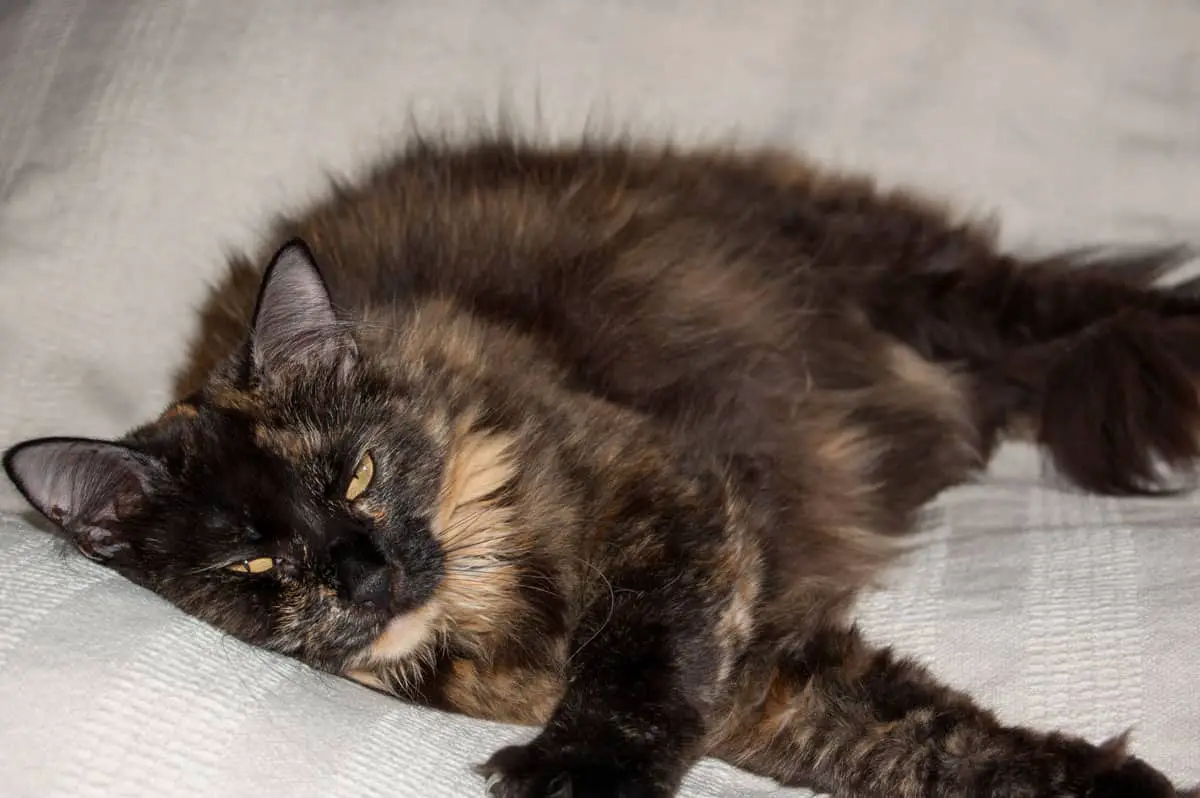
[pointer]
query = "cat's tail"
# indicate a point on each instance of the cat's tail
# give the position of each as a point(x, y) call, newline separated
point(1084, 352)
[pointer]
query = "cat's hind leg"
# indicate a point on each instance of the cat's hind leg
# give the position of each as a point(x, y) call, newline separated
point(840, 716)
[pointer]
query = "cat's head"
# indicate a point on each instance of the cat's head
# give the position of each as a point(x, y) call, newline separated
point(300, 501)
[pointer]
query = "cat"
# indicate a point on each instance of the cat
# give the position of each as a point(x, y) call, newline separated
point(606, 438)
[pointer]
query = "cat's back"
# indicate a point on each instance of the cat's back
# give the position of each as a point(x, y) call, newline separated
point(554, 241)
point(636, 264)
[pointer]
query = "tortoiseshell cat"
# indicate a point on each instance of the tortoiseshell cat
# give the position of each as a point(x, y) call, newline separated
point(605, 439)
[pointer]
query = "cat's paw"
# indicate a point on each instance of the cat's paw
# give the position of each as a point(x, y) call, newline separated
point(538, 771)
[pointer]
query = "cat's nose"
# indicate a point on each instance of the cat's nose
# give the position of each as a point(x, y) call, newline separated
point(371, 587)
point(363, 575)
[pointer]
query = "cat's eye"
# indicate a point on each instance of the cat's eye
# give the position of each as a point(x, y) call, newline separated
point(258, 565)
point(364, 472)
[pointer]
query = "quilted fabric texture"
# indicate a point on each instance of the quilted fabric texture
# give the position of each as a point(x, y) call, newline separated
point(140, 139)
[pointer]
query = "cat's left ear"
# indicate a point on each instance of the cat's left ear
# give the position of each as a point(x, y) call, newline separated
point(294, 320)
point(86, 487)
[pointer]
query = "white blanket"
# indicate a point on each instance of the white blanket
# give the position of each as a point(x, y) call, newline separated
point(139, 139)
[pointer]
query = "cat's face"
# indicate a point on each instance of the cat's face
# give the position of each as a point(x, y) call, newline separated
point(292, 502)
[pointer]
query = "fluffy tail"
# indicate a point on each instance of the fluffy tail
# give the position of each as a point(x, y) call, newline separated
point(1083, 351)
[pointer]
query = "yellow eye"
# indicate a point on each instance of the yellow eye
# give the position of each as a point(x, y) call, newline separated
point(258, 565)
point(364, 472)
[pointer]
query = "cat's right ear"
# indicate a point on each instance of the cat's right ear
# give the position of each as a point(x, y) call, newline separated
point(294, 319)
point(84, 486)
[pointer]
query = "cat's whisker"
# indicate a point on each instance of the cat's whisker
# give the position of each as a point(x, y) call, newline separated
point(480, 568)
point(465, 527)
point(207, 569)
point(468, 520)
point(483, 576)
point(471, 537)
point(482, 543)
point(612, 605)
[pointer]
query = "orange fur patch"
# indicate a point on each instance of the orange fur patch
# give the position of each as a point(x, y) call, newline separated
point(404, 635)
point(479, 465)
point(406, 647)
point(935, 383)
point(508, 695)
point(476, 533)
point(367, 679)
point(179, 410)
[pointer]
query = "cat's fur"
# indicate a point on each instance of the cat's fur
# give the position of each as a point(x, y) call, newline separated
point(643, 423)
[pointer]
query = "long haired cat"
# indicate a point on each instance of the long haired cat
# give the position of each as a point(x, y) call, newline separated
point(605, 439)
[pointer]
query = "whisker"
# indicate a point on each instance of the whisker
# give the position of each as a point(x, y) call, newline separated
point(464, 529)
point(466, 520)
point(481, 543)
point(612, 606)
point(467, 540)
point(476, 564)
point(482, 576)
point(205, 569)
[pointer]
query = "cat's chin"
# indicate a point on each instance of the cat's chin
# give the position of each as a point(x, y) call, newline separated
point(403, 636)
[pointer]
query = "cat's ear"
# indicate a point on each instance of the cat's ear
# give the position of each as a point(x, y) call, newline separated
point(294, 320)
point(84, 486)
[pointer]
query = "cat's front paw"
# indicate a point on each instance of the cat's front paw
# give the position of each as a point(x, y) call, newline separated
point(541, 771)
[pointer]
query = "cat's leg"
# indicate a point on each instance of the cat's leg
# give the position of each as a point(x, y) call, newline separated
point(842, 717)
point(645, 665)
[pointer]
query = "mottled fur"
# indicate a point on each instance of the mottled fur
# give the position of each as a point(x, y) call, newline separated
point(643, 424)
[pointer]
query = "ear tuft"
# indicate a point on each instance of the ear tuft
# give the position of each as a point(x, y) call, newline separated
point(84, 486)
point(294, 319)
